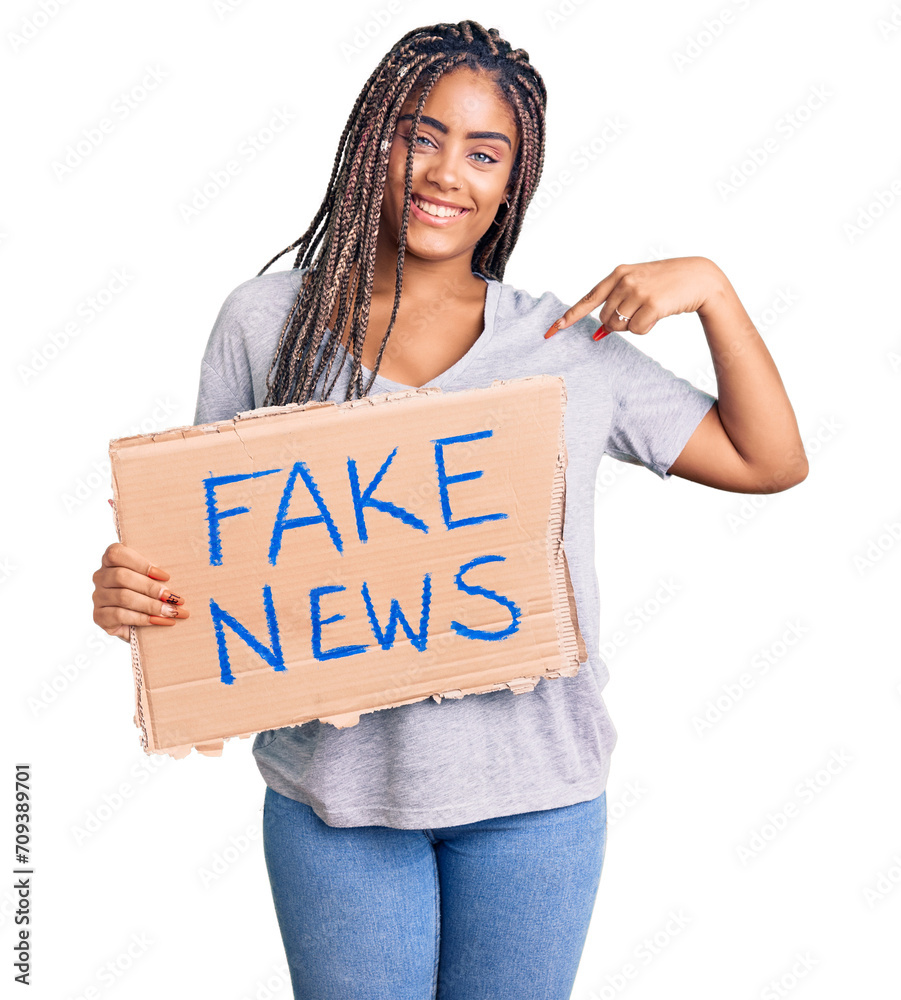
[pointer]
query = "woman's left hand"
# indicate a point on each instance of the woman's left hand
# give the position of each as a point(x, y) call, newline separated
point(635, 296)
point(748, 441)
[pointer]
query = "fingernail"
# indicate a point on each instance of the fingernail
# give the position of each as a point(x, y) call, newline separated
point(155, 573)
point(169, 597)
point(171, 611)
point(157, 620)
point(600, 333)
point(554, 328)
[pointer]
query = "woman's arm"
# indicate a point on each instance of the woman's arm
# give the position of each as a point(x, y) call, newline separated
point(748, 441)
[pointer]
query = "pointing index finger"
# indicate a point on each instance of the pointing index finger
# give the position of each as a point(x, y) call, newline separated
point(597, 296)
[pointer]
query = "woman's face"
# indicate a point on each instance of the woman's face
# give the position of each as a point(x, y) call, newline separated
point(465, 149)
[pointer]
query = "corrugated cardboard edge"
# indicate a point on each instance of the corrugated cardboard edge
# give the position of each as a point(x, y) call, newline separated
point(132, 633)
point(224, 426)
point(572, 645)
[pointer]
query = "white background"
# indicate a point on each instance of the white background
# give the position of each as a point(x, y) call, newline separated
point(809, 239)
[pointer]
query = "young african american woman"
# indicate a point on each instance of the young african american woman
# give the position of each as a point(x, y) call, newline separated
point(454, 849)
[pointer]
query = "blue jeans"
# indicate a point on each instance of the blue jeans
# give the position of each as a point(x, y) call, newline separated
point(489, 910)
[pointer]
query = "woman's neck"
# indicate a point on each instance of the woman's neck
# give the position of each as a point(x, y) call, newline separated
point(423, 280)
point(442, 290)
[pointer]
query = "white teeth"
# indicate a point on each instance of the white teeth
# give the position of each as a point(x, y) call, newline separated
point(441, 211)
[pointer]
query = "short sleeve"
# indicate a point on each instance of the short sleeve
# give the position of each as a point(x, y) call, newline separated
point(226, 378)
point(654, 411)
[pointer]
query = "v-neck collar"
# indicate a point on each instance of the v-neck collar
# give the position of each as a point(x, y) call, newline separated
point(383, 384)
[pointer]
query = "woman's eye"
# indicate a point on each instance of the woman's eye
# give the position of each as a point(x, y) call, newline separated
point(426, 139)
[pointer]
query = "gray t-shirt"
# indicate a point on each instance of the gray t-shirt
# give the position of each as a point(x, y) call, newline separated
point(435, 764)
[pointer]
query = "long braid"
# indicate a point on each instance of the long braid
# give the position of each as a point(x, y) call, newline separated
point(361, 314)
point(341, 239)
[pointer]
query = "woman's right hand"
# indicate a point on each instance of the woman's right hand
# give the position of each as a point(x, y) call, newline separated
point(130, 590)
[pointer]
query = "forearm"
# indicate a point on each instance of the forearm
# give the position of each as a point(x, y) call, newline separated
point(753, 406)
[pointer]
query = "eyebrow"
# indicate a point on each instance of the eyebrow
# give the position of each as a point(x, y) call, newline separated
point(469, 135)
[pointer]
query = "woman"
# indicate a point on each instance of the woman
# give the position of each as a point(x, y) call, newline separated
point(455, 849)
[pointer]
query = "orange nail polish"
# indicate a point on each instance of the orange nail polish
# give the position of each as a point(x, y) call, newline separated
point(600, 333)
point(553, 329)
point(155, 573)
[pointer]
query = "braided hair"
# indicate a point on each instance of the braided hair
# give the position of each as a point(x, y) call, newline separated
point(346, 224)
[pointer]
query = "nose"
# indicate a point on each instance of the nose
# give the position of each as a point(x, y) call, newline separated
point(444, 169)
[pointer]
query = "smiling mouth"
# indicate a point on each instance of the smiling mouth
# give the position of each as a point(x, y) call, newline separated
point(436, 213)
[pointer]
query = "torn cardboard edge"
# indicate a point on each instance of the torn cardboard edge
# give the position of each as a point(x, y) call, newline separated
point(572, 645)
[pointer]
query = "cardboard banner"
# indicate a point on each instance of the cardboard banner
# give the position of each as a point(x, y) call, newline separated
point(344, 558)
